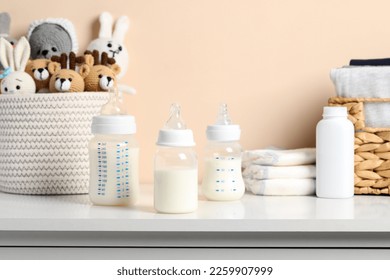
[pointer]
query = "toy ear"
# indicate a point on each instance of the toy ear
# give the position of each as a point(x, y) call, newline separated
point(115, 68)
point(84, 70)
point(22, 54)
point(105, 25)
point(6, 54)
point(89, 60)
point(54, 67)
point(121, 26)
point(5, 21)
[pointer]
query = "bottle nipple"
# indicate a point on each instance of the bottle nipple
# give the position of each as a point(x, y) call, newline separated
point(115, 105)
point(223, 117)
point(175, 121)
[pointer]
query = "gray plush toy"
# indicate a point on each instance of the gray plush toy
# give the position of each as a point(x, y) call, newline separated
point(52, 36)
point(5, 22)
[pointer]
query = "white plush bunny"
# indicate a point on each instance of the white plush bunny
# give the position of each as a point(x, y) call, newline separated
point(16, 59)
point(112, 42)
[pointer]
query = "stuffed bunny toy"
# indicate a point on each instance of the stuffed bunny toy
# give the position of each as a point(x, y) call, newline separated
point(15, 59)
point(112, 42)
point(5, 22)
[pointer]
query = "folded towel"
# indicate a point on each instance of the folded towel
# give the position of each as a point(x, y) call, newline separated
point(369, 82)
point(255, 171)
point(281, 186)
point(279, 157)
point(370, 62)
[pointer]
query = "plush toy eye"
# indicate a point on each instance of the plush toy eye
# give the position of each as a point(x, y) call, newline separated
point(38, 52)
point(54, 49)
point(120, 48)
point(34, 69)
point(17, 87)
point(70, 79)
point(6, 89)
point(109, 45)
point(12, 43)
point(46, 68)
point(100, 76)
point(57, 78)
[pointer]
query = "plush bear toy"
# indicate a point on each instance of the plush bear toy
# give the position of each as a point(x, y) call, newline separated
point(64, 79)
point(39, 71)
point(102, 74)
point(52, 36)
point(5, 22)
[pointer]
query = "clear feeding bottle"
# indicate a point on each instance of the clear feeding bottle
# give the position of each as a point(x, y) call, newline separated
point(175, 167)
point(113, 156)
point(222, 179)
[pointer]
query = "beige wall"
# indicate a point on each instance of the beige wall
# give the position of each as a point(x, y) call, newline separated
point(269, 60)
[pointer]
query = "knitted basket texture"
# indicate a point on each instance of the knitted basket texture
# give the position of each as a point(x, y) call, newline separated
point(44, 142)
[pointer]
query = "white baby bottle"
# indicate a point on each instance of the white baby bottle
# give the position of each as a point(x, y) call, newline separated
point(222, 179)
point(113, 156)
point(175, 167)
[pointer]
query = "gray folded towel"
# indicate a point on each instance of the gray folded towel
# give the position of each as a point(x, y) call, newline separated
point(369, 82)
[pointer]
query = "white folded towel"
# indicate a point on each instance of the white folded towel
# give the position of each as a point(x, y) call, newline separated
point(255, 171)
point(301, 156)
point(369, 82)
point(281, 186)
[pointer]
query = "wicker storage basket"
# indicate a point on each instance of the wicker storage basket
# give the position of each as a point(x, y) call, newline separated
point(372, 148)
point(44, 142)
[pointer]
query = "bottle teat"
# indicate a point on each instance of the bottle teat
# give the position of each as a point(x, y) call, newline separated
point(223, 117)
point(175, 121)
point(175, 132)
point(223, 129)
point(115, 105)
point(113, 118)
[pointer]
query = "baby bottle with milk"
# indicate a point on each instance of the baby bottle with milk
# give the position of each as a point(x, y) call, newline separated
point(113, 156)
point(175, 167)
point(222, 179)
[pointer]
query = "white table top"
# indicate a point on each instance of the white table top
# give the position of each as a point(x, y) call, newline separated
point(250, 214)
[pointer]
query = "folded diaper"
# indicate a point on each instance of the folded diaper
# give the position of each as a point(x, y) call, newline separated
point(279, 157)
point(281, 186)
point(369, 82)
point(262, 172)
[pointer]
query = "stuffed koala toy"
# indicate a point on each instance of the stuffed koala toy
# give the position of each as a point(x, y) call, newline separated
point(15, 59)
point(5, 22)
point(39, 71)
point(66, 79)
point(52, 36)
point(112, 42)
point(102, 74)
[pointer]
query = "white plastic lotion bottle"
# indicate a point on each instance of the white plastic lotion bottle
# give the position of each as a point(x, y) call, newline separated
point(335, 154)
point(175, 167)
point(222, 179)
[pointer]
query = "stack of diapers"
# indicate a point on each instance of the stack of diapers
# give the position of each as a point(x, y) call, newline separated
point(280, 172)
point(366, 82)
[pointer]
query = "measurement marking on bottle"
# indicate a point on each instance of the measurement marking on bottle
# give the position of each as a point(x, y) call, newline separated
point(102, 168)
point(122, 169)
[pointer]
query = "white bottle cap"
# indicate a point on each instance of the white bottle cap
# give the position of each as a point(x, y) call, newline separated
point(223, 129)
point(175, 132)
point(336, 111)
point(113, 124)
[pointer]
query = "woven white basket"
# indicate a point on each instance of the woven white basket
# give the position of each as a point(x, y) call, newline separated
point(44, 142)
